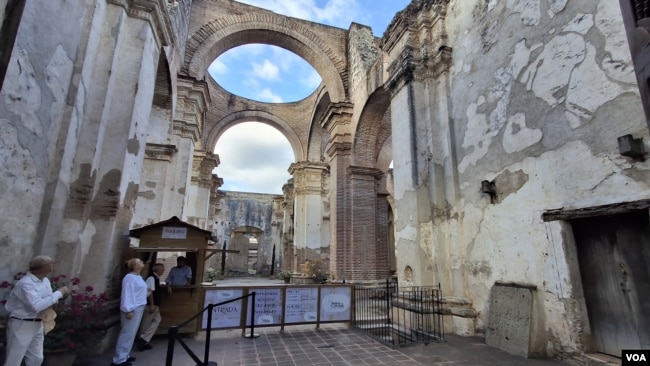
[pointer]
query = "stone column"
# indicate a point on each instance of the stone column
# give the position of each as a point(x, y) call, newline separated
point(112, 137)
point(425, 181)
point(192, 99)
point(198, 194)
point(308, 211)
point(337, 121)
point(289, 256)
point(364, 253)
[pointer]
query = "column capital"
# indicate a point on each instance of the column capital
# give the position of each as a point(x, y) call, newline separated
point(153, 11)
point(308, 177)
point(337, 116)
point(193, 97)
point(203, 164)
point(362, 172)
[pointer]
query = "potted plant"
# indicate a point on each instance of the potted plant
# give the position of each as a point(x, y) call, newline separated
point(315, 269)
point(79, 319)
point(211, 275)
point(285, 275)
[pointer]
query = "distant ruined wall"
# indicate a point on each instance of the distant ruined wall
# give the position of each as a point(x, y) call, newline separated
point(240, 213)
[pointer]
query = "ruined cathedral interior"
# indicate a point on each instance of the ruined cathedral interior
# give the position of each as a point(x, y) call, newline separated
point(496, 149)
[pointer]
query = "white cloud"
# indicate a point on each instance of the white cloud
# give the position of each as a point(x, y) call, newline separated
point(218, 68)
point(254, 158)
point(312, 80)
point(268, 95)
point(267, 70)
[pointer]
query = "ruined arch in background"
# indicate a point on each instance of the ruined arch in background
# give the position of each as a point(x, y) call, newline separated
point(220, 35)
point(235, 118)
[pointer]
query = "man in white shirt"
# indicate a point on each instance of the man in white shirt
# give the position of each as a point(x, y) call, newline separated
point(31, 295)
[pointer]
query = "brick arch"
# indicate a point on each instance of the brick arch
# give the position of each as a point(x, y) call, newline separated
point(163, 95)
point(318, 137)
point(373, 132)
point(256, 116)
point(220, 35)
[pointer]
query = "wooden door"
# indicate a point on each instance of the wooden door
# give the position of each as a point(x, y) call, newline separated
point(614, 259)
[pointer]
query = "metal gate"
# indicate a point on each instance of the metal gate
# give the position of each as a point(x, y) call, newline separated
point(399, 317)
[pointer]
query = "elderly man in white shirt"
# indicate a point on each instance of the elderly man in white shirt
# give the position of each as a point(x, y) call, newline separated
point(31, 295)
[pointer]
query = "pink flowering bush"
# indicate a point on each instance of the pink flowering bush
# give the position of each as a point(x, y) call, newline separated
point(80, 315)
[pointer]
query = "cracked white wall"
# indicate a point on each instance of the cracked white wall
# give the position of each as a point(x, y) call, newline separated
point(540, 92)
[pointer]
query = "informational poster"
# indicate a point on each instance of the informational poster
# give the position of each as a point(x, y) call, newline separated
point(224, 316)
point(301, 305)
point(268, 306)
point(335, 304)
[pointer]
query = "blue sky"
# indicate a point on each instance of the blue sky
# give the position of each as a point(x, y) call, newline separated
point(255, 157)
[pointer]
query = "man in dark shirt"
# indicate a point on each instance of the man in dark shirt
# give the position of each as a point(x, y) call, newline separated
point(151, 318)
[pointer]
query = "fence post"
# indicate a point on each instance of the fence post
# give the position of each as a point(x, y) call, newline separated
point(252, 335)
point(207, 335)
point(388, 295)
point(173, 332)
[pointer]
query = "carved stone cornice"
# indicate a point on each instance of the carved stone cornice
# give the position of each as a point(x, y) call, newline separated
point(196, 90)
point(193, 97)
point(334, 148)
point(338, 115)
point(159, 152)
point(401, 71)
point(187, 130)
point(154, 12)
point(416, 42)
point(217, 182)
point(203, 162)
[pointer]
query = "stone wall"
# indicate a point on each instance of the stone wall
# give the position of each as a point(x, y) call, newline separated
point(241, 214)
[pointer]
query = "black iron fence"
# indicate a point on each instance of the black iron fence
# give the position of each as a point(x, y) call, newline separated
point(399, 317)
point(173, 335)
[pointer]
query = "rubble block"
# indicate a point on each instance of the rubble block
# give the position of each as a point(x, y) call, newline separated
point(510, 318)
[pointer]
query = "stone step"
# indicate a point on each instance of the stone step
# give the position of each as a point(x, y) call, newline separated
point(593, 359)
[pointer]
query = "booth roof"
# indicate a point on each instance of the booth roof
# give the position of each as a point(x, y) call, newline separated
point(135, 233)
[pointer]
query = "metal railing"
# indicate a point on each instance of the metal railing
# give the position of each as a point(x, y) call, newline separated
point(399, 317)
point(173, 334)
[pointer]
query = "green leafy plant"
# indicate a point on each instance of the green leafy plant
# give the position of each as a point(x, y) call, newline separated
point(316, 269)
point(211, 274)
point(284, 274)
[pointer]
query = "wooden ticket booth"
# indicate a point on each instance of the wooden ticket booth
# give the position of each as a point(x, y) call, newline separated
point(163, 242)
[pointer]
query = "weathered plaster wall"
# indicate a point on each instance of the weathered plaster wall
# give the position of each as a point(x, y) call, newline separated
point(74, 112)
point(35, 118)
point(540, 92)
point(248, 212)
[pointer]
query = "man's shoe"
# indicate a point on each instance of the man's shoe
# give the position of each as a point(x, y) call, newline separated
point(130, 359)
point(143, 345)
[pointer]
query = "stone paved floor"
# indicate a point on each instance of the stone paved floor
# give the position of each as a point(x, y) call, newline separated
point(333, 344)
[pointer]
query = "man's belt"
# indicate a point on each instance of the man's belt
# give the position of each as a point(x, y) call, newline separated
point(27, 320)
